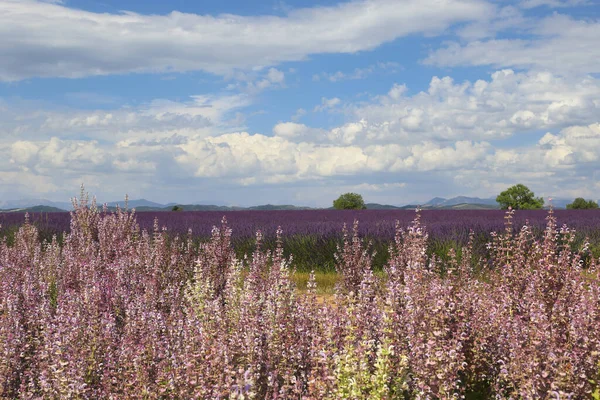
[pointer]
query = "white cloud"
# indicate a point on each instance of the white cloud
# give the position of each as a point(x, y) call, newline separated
point(492, 109)
point(51, 40)
point(202, 114)
point(23, 152)
point(506, 18)
point(348, 133)
point(30, 182)
point(254, 82)
point(450, 127)
point(298, 132)
point(558, 43)
point(327, 104)
point(298, 114)
point(562, 163)
point(260, 157)
point(275, 76)
point(575, 146)
point(58, 155)
point(378, 187)
point(454, 133)
point(357, 73)
point(553, 3)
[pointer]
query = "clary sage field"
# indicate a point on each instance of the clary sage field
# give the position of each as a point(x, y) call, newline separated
point(113, 311)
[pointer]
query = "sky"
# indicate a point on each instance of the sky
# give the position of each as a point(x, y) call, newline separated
point(238, 102)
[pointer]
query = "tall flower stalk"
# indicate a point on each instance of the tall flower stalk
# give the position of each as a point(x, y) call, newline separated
point(110, 310)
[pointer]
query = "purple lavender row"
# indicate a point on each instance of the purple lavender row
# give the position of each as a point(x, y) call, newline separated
point(441, 224)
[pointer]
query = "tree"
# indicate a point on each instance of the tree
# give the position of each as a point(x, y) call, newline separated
point(349, 201)
point(177, 208)
point(519, 197)
point(581, 204)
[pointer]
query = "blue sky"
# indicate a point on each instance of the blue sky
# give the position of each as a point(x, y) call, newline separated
point(244, 103)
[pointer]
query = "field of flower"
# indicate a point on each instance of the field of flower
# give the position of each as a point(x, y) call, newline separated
point(313, 236)
point(114, 311)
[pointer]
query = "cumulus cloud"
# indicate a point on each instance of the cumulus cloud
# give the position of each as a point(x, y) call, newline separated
point(564, 162)
point(299, 132)
point(51, 40)
point(58, 154)
point(240, 156)
point(493, 109)
point(261, 157)
point(453, 126)
point(456, 132)
point(574, 146)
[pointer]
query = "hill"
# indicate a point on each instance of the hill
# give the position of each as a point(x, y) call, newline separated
point(141, 205)
point(454, 201)
point(136, 204)
point(28, 203)
point(46, 209)
point(376, 206)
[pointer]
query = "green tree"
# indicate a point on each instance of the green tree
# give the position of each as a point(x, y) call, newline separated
point(177, 208)
point(349, 201)
point(581, 204)
point(519, 197)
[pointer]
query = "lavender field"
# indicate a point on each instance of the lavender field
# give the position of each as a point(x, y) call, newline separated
point(114, 311)
point(441, 224)
point(312, 236)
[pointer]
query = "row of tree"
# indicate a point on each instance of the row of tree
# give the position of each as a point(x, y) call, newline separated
point(517, 197)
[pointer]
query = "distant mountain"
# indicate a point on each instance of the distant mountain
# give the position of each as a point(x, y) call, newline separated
point(459, 206)
point(442, 202)
point(271, 207)
point(557, 202)
point(265, 207)
point(46, 209)
point(136, 204)
point(434, 205)
point(141, 205)
point(464, 202)
point(26, 203)
point(146, 205)
point(470, 200)
point(204, 207)
point(471, 206)
point(435, 201)
point(376, 206)
point(211, 207)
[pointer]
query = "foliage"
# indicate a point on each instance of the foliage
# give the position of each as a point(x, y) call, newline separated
point(117, 311)
point(177, 208)
point(519, 197)
point(349, 201)
point(581, 204)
